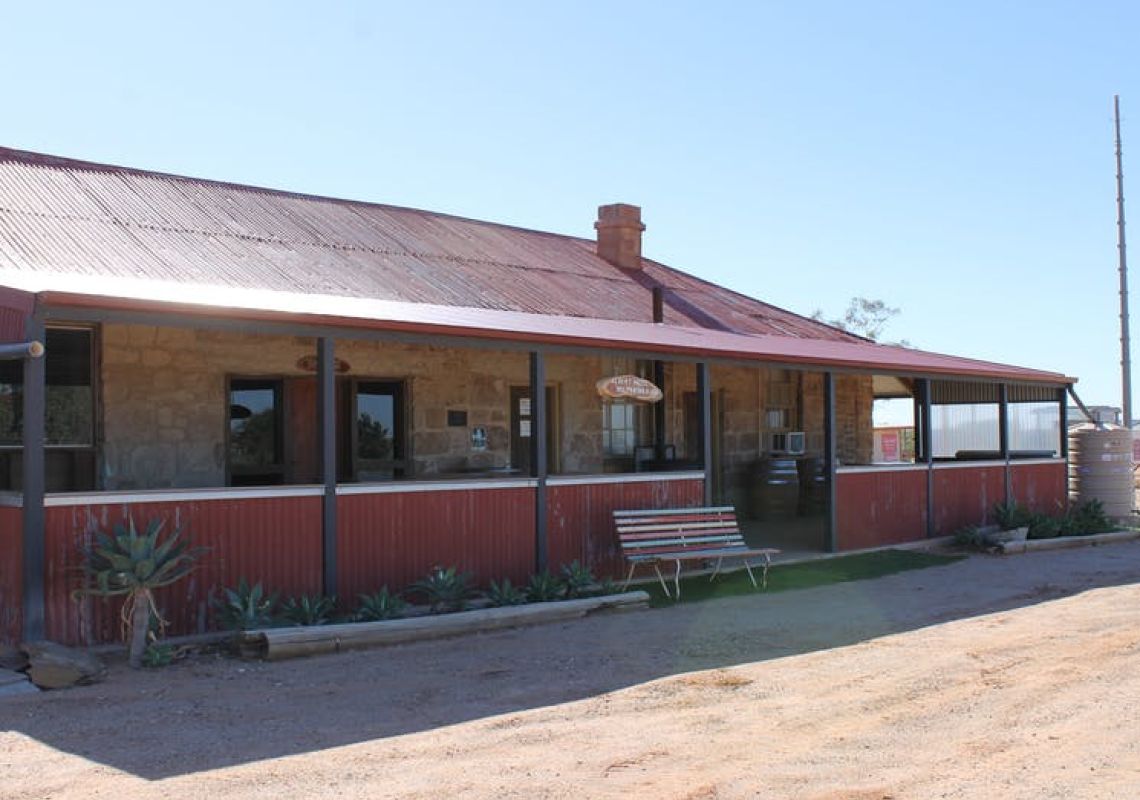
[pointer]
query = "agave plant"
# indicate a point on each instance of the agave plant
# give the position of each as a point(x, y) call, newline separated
point(245, 607)
point(506, 594)
point(309, 609)
point(543, 587)
point(445, 589)
point(135, 564)
point(576, 579)
point(380, 605)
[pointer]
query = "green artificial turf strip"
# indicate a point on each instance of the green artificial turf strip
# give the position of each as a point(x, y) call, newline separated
point(798, 576)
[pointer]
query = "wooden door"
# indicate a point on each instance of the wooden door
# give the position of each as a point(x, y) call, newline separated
point(302, 446)
point(522, 428)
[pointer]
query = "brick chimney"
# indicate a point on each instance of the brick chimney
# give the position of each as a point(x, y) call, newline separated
point(619, 235)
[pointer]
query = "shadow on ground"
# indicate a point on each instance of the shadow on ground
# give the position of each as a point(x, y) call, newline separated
point(211, 713)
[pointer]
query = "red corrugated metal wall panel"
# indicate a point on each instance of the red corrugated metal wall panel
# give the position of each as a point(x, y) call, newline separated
point(15, 307)
point(273, 540)
point(580, 523)
point(11, 574)
point(966, 496)
point(395, 538)
point(879, 508)
point(1044, 488)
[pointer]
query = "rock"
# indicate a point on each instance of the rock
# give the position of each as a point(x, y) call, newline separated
point(53, 666)
point(15, 683)
point(12, 658)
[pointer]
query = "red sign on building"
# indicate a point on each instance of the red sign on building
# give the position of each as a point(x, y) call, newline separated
point(890, 443)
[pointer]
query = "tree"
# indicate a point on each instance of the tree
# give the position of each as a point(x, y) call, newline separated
point(864, 318)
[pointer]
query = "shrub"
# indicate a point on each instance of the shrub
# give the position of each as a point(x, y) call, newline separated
point(1011, 515)
point(378, 606)
point(309, 609)
point(506, 594)
point(445, 589)
point(972, 538)
point(607, 586)
point(158, 654)
point(576, 579)
point(245, 607)
point(1042, 526)
point(543, 587)
point(1087, 518)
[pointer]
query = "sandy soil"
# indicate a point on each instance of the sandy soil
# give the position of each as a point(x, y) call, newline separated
point(1014, 677)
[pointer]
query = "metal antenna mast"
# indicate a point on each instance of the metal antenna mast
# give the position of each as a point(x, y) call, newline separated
point(1125, 357)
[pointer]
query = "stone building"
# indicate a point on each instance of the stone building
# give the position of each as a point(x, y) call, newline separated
point(337, 395)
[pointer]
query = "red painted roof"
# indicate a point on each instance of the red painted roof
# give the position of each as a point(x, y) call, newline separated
point(88, 235)
point(75, 217)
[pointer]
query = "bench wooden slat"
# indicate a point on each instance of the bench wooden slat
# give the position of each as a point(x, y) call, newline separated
point(670, 544)
point(731, 552)
point(655, 530)
point(650, 511)
point(693, 541)
point(673, 524)
point(676, 519)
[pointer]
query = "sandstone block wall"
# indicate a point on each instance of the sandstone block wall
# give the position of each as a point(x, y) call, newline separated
point(165, 409)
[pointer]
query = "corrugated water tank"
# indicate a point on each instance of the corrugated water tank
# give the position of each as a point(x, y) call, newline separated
point(1100, 467)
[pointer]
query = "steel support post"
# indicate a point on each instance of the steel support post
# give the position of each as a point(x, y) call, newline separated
point(830, 458)
point(35, 395)
point(704, 429)
point(326, 425)
point(538, 455)
point(925, 431)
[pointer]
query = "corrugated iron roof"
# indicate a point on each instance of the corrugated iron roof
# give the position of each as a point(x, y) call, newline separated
point(76, 217)
point(87, 235)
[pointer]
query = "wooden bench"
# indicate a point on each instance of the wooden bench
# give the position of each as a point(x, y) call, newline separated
point(685, 534)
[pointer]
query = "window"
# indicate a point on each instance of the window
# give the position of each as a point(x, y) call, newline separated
point(619, 428)
point(255, 434)
point(69, 413)
point(273, 435)
point(378, 431)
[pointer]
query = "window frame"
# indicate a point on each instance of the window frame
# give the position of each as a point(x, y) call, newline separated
point(75, 454)
point(402, 464)
point(278, 385)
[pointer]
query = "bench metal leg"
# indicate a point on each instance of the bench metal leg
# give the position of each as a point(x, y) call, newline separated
point(677, 579)
point(748, 567)
point(764, 575)
point(629, 577)
point(716, 569)
point(660, 577)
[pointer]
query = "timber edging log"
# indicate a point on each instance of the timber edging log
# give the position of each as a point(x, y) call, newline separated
point(274, 644)
point(1067, 542)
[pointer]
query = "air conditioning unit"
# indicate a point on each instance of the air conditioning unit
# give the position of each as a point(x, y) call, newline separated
point(788, 443)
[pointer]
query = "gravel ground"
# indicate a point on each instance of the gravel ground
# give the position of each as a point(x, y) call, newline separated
point(993, 677)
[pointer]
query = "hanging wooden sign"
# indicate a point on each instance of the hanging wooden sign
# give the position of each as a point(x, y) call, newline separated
point(629, 387)
point(309, 364)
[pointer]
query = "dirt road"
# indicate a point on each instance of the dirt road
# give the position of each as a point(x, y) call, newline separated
point(1013, 677)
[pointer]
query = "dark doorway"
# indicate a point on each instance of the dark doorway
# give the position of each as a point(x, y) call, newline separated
point(692, 437)
point(522, 428)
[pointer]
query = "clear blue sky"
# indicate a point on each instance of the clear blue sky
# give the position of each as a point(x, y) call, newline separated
point(952, 159)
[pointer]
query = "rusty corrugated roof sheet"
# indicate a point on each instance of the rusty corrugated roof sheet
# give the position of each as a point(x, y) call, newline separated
point(75, 217)
point(92, 236)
